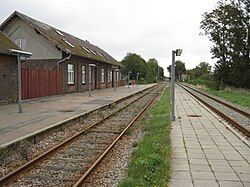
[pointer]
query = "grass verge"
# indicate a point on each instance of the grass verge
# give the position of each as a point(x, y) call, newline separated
point(150, 164)
point(240, 97)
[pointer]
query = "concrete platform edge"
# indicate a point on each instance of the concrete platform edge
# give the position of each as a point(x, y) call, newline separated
point(61, 123)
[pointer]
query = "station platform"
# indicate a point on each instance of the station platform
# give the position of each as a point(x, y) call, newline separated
point(46, 112)
point(206, 151)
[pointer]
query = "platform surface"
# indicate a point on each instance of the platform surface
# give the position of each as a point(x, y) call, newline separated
point(205, 151)
point(44, 112)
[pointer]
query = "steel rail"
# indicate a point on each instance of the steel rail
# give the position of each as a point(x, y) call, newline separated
point(31, 164)
point(230, 120)
point(95, 164)
point(221, 102)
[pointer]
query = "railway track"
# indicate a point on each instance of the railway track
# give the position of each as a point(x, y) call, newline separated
point(70, 162)
point(238, 118)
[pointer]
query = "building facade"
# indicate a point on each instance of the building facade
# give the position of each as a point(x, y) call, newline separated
point(55, 50)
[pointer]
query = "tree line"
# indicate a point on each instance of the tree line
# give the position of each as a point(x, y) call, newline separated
point(227, 27)
point(150, 71)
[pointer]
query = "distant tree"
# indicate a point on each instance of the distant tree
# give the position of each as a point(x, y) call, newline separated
point(227, 27)
point(134, 63)
point(179, 69)
point(161, 73)
point(152, 70)
point(202, 69)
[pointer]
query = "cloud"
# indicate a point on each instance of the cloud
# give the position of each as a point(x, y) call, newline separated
point(151, 28)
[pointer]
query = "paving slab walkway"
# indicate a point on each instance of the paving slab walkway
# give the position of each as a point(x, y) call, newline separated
point(205, 151)
point(45, 112)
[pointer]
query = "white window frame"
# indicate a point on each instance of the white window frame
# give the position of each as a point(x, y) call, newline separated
point(117, 76)
point(108, 75)
point(111, 74)
point(90, 75)
point(102, 75)
point(71, 76)
point(83, 74)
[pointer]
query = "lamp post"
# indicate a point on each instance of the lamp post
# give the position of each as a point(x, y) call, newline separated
point(115, 68)
point(137, 78)
point(129, 77)
point(177, 52)
point(20, 54)
point(115, 78)
point(90, 74)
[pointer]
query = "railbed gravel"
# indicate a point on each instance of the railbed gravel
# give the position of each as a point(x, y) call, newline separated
point(239, 118)
point(27, 150)
point(100, 137)
point(246, 109)
point(113, 168)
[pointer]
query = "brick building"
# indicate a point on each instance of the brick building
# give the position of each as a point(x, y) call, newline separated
point(8, 71)
point(56, 51)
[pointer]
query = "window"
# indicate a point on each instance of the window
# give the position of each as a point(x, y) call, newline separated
point(83, 74)
point(70, 74)
point(102, 75)
point(90, 75)
point(108, 76)
point(117, 76)
point(111, 73)
point(21, 43)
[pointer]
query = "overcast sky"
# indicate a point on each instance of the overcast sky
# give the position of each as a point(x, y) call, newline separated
point(150, 28)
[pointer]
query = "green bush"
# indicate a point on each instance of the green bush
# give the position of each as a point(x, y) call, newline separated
point(207, 80)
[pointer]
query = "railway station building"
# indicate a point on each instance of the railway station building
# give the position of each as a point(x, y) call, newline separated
point(60, 63)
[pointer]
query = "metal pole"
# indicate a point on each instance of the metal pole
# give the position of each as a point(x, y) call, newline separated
point(137, 79)
point(128, 78)
point(173, 85)
point(19, 84)
point(89, 81)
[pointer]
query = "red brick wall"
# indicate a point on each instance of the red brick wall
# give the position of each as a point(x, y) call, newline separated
point(78, 62)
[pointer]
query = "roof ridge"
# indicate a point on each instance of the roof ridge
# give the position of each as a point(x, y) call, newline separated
point(67, 42)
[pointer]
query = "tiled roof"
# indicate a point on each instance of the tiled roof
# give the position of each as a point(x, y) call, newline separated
point(6, 44)
point(67, 42)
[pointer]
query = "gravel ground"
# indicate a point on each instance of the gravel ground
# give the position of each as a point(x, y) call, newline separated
point(113, 167)
point(239, 118)
point(25, 151)
point(55, 174)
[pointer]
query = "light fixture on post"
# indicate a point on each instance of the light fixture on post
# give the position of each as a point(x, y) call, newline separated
point(20, 54)
point(177, 52)
point(90, 74)
point(137, 78)
point(129, 77)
